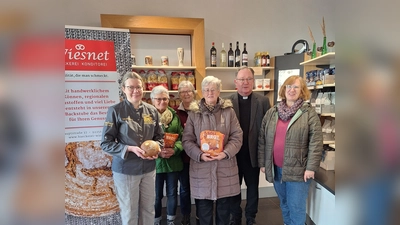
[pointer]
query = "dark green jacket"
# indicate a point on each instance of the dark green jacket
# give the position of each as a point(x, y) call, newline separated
point(303, 144)
point(174, 163)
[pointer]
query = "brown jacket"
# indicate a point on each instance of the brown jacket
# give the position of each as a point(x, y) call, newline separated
point(215, 179)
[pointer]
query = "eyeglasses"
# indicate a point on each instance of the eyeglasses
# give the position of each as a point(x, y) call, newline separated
point(161, 99)
point(132, 88)
point(292, 87)
point(242, 80)
point(209, 90)
point(185, 92)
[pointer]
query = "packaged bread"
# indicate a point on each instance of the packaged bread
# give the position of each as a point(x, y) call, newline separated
point(182, 76)
point(190, 78)
point(151, 148)
point(212, 142)
point(170, 139)
point(174, 80)
point(142, 73)
point(152, 79)
point(172, 103)
point(162, 78)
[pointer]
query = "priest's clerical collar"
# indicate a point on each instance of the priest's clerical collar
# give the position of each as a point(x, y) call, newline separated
point(244, 97)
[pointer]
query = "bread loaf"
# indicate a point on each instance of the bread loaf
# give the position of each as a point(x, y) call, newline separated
point(151, 148)
point(89, 186)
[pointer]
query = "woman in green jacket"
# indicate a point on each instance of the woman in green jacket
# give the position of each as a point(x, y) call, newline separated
point(169, 163)
point(290, 148)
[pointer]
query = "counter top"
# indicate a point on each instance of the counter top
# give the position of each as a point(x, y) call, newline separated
point(326, 178)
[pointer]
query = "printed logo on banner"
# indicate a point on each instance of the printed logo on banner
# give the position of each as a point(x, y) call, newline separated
point(89, 55)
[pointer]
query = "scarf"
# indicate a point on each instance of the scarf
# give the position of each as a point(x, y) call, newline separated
point(166, 118)
point(210, 107)
point(285, 112)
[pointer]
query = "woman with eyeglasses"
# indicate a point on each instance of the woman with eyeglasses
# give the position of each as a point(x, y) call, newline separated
point(213, 177)
point(290, 148)
point(128, 124)
point(169, 163)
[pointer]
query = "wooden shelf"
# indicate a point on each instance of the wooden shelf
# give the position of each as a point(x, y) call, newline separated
point(320, 86)
point(327, 59)
point(255, 90)
point(328, 114)
point(164, 67)
point(169, 91)
point(229, 69)
point(328, 142)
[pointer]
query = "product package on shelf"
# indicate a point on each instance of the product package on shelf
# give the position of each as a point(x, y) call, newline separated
point(162, 78)
point(169, 80)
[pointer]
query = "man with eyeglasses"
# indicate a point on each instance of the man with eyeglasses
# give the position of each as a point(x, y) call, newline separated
point(250, 109)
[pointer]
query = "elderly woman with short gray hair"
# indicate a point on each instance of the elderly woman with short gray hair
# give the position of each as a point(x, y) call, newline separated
point(213, 177)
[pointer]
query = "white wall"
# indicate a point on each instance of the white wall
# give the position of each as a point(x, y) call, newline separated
point(265, 25)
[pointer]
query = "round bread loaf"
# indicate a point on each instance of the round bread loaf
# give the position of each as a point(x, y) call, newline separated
point(89, 186)
point(151, 148)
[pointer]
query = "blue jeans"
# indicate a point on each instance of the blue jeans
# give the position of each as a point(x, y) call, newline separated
point(184, 191)
point(171, 180)
point(292, 197)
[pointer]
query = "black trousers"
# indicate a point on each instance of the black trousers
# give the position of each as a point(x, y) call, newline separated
point(205, 210)
point(251, 177)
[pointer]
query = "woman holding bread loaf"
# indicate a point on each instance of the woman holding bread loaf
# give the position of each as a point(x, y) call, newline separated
point(169, 163)
point(211, 138)
point(128, 125)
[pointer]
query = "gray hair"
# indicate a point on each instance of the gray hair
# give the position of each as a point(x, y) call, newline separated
point(244, 68)
point(186, 84)
point(158, 90)
point(211, 80)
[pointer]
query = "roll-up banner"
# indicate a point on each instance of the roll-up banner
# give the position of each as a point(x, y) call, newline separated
point(95, 60)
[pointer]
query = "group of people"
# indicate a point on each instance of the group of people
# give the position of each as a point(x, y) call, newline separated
point(284, 142)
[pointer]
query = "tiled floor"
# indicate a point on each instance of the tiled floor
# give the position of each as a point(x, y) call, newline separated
point(269, 213)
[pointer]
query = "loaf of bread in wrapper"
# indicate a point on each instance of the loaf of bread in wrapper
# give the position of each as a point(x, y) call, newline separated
point(212, 142)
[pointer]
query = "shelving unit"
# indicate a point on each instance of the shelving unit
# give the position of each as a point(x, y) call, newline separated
point(177, 68)
point(230, 69)
point(227, 75)
point(326, 59)
point(166, 25)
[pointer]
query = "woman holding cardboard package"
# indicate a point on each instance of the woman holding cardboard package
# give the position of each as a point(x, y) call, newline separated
point(290, 148)
point(211, 138)
point(169, 163)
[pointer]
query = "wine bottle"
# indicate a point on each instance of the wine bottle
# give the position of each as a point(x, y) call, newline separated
point(237, 55)
point(268, 59)
point(231, 57)
point(223, 56)
point(245, 59)
point(213, 56)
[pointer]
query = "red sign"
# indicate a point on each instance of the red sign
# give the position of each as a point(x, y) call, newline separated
point(89, 55)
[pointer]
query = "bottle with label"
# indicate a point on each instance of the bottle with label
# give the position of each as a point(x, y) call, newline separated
point(259, 59)
point(263, 59)
point(245, 58)
point(213, 56)
point(268, 59)
point(231, 56)
point(222, 62)
point(237, 55)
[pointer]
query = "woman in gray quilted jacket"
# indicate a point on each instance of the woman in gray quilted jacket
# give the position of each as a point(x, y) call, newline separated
point(290, 148)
